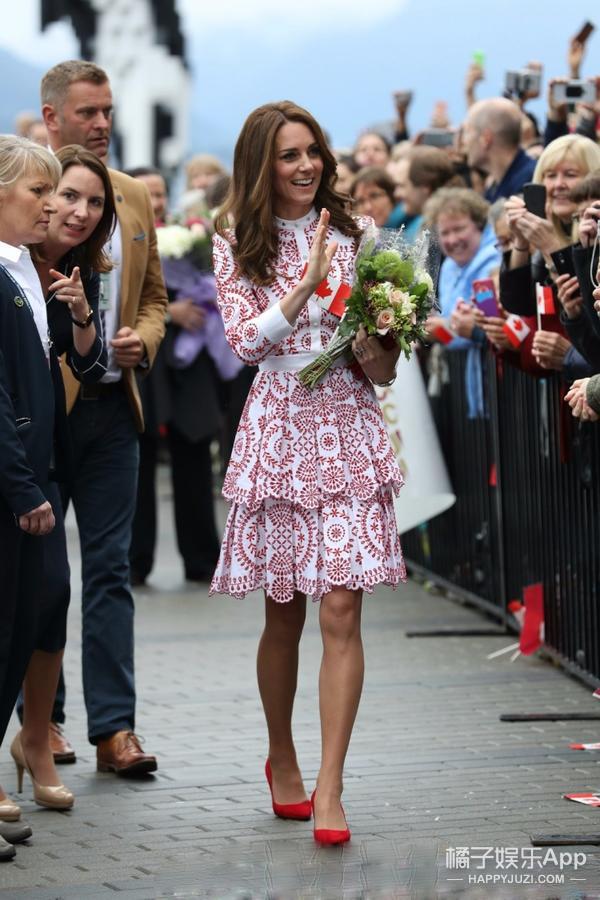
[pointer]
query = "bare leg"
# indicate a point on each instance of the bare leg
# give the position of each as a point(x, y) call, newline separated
point(340, 687)
point(39, 689)
point(277, 670)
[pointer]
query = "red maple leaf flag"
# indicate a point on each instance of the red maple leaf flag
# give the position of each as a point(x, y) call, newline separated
point(516, 330)
point(532, 632)
point(545, 299)
point(341, 291)
point(323, 290)
point(331, 295)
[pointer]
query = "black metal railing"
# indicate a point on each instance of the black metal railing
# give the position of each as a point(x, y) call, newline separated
point(528, 506)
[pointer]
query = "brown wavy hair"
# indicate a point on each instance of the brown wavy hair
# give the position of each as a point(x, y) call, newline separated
point(249, 201)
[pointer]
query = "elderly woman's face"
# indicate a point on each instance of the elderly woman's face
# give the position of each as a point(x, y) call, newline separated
point(459, 236)
point(559, 180)
point(25, 210)
point(371, 150)
point(79, 205)
point(372, 200)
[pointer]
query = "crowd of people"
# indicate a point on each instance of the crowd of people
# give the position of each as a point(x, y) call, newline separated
point(126, 339)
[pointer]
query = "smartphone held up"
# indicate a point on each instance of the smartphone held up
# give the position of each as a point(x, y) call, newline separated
point(534, 196)
point(484, 295)
point(574, 91)
point(523, 82)
point(584, 32)
point(438, 137)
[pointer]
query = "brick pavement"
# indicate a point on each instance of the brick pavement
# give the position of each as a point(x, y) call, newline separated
point(430, 766)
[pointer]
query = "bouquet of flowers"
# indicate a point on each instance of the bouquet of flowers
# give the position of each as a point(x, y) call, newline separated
point(393, 294)
point(191, 240)
point(186, 259)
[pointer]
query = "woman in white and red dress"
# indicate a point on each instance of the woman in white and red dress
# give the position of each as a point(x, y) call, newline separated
point(312, 473)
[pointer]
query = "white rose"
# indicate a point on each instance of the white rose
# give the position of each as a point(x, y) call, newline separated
point(174, 241)
point(423, 277)
point(398, 297)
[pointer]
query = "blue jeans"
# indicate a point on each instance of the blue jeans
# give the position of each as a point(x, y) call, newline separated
point(103, 491)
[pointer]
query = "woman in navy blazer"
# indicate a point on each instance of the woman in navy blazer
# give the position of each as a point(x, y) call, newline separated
point(68, 263)
point(28, 449)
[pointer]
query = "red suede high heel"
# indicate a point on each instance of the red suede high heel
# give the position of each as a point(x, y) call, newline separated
point(301, 811)
point(330, 836)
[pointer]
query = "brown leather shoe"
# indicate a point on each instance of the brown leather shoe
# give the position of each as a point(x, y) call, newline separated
point(123, 754)
point(61, 749)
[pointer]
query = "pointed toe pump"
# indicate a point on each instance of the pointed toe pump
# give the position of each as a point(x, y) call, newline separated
point(50, 796)
point(301, 811)
point(330, 837)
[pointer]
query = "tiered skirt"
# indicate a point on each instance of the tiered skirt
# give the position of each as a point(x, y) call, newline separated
point(311, 481)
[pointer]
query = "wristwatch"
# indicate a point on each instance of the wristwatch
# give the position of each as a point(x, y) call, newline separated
point(86, 322)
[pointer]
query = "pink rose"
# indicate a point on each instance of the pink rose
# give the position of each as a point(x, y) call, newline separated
point(385, 320)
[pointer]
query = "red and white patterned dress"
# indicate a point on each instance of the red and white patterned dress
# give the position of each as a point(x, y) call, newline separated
point(312, 472)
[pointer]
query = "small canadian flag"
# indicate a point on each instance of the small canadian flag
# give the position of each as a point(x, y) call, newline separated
point(331, 295)
point(516, 330)
point(532, 632)
point(443, 334)
point(545, 299)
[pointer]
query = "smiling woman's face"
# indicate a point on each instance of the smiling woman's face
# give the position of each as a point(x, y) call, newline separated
point(371, 200)
point(559, 180)
point(297, 170)
point(371, 150)
point(459, 236)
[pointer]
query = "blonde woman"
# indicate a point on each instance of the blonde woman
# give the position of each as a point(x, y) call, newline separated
point(28, 374)
point(562, 166)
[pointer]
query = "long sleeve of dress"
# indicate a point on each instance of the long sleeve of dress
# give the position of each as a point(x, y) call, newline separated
point(253, 328)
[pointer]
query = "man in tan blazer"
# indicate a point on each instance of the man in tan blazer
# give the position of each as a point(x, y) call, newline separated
point(104, 420)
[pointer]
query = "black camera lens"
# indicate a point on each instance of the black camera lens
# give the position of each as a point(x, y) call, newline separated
point(574, 91)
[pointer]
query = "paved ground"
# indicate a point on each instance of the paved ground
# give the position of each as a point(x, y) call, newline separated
point(431, 768)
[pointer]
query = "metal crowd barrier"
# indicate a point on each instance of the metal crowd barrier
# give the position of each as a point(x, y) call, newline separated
point(527, 483)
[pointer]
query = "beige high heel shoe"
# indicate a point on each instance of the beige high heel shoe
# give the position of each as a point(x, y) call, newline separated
point(9, 811)
point(51, 796)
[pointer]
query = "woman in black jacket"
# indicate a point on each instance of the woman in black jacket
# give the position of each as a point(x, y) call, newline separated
point(68, 263)
point(28, 446)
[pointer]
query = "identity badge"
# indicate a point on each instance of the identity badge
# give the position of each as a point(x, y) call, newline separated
point(104, 298)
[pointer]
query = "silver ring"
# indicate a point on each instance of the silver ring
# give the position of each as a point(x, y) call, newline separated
point(359, 351)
